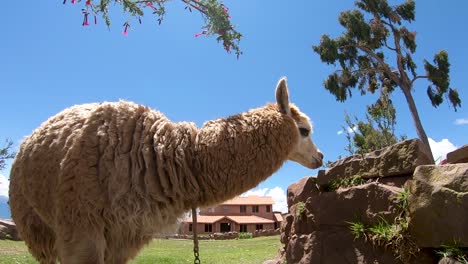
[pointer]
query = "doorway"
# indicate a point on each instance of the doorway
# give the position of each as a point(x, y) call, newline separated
point(225, 227)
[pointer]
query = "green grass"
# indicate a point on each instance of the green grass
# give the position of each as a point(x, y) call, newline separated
point(393, 236)
point(300, 207)
point(358, 229)
point(344, 183)
point(453, 250)
point(245, 251)
point(245, 235)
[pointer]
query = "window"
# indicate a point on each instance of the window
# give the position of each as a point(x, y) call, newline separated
point(190, 227)
point(243, 228)
point(211, 210)
point(225, 209)
point(243, 208)
point(259, 227)
point(254, 208)
point(208, 228)
point(268, 208)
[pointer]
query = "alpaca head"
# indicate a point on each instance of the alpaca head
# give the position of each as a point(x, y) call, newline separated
point(305, 151)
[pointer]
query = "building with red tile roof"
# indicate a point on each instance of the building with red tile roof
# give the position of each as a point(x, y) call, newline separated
point(241, 214)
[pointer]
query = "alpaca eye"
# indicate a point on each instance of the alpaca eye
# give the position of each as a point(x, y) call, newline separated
point(304, 131)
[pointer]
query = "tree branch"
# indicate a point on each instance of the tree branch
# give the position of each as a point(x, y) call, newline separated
point(388, 47)
point(368, 70)
point(404, 79)
point(418, 77)
point(384, 66)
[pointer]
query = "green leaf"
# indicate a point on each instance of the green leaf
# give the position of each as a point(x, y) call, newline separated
point(327, 49)
point(407, 10)
point(454, 98)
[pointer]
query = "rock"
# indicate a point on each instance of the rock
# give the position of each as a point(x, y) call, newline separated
point(338, 245)
point(299, 191)
point(399, 159)
point(8, 230)
point(447, 260)
point(438, 205)
point(299, 248)
point(266, 232)
point(335, 245)
point(396, 181)
point(458, 156)
point(317, 229)
point(286, 228)
point(366, 203)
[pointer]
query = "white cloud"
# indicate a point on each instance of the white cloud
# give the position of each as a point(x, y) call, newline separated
point(349, 129)
point(441, 148)
point(4, 184)
point(461, 121)
point(278, 195)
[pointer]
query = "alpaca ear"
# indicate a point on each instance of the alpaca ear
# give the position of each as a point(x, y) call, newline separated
point(282, 96)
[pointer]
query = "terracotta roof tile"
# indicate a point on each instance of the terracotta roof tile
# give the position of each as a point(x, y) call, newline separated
point(250, 219)
point(249, 200)
point(242, 219)
point(278, 217)
point(205, 218)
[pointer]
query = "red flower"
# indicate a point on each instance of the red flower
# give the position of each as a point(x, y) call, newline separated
point(201, 33)
point(126, 27)
point(85, 18)
point(73, 1)
point(226, 10)
point(88, 2)
point(150, 5)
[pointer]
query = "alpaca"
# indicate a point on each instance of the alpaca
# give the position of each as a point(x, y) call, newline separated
point(95, 182)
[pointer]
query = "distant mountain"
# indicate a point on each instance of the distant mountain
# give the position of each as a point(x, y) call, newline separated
point(4, 208)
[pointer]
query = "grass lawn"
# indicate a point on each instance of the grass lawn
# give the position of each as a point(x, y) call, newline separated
point(245, 251)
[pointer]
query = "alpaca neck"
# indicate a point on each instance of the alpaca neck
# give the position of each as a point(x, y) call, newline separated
point(235, 154)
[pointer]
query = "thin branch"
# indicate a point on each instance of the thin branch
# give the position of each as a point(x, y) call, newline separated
point(191, 4)
point(384, 66)
point(404, 79)
point(418, 77)
point(368, 70)
point(388, 47)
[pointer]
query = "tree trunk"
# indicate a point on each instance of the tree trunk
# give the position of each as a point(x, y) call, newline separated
point(417, 122)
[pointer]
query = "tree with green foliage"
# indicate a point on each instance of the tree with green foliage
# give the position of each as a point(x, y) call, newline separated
point(6, 153)
point(215, 14)
point(376, 132)
point(375, 52)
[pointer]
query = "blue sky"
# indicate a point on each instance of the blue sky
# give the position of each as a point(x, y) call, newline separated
point(50, 62)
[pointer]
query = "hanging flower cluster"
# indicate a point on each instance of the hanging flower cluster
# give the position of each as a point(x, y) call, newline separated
point(215, 14)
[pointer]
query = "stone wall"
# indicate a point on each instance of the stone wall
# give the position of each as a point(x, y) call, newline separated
point(432, 203)
point(8, 230)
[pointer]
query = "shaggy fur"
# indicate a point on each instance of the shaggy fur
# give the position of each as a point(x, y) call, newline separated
point(95, 182)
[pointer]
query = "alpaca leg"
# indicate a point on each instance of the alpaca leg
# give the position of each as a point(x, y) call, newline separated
point(121, 257)
point(39, 237)
point(121, 249)
point(80, 247)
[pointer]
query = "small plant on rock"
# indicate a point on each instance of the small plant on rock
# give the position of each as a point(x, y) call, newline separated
point(300, 207)
point(358, 229)
point(393, 236)
point(344, 183)
point(403, 199)
point(453, 250)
